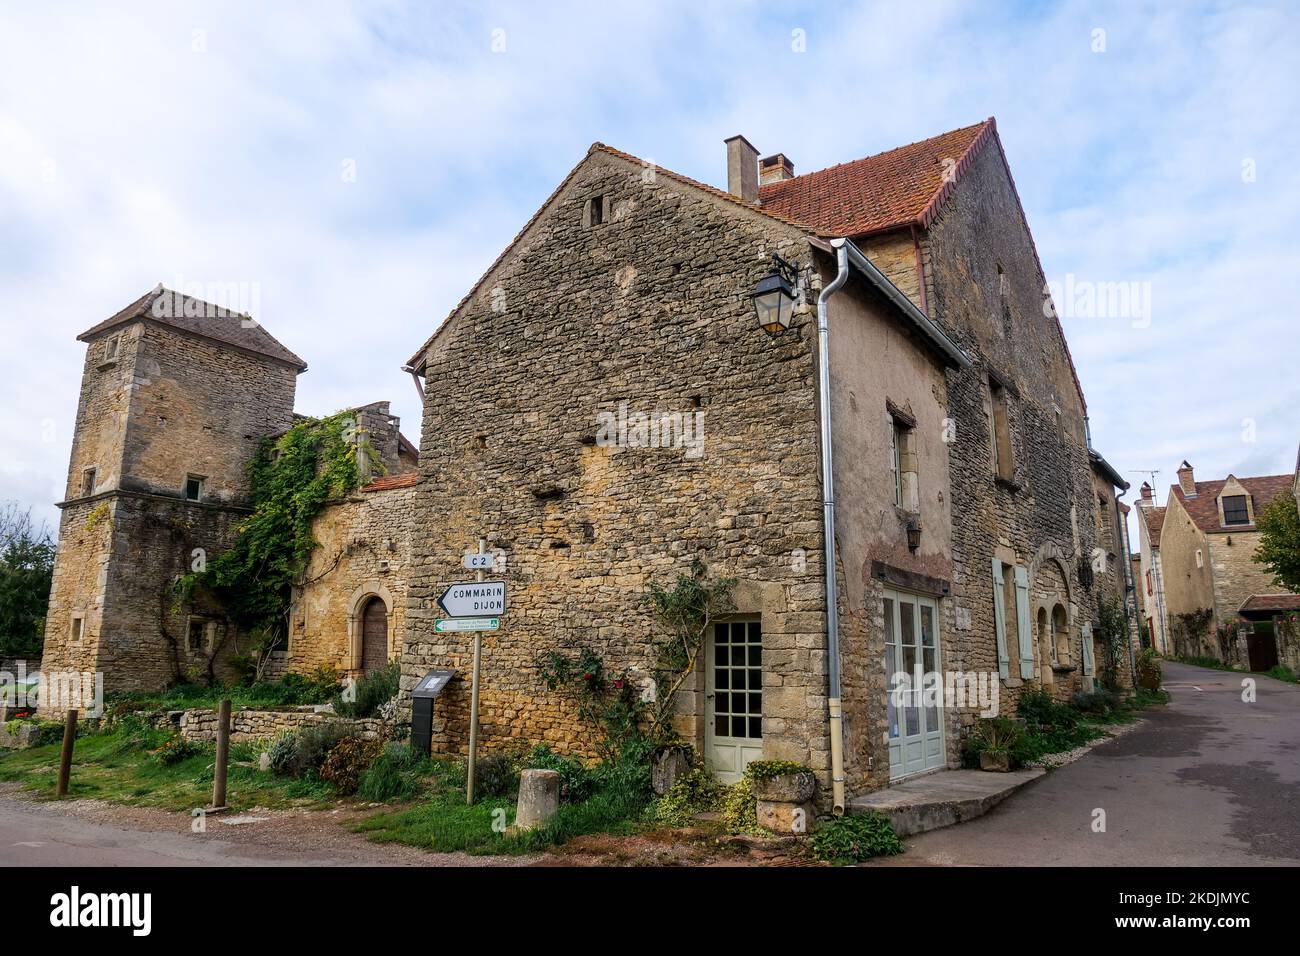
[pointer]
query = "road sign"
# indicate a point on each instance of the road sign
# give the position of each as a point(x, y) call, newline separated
point(474, 599)
point(478, 562)
point(444, 625)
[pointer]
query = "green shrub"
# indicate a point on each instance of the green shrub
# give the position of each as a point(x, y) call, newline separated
point(348, 760)
point(995, 735)
point(854, 838)
point(1101, 702)
point(372, 692)
point(1282, 672)
point(295, 754)
point(394, 775)
point(575, 781)
point(1149, 675)
point(495, 775)
point(740, 808)
point(692, 793)
point(767, 769)
point(175, 750)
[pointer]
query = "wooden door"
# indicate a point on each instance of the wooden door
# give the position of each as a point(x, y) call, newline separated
point(374, 636)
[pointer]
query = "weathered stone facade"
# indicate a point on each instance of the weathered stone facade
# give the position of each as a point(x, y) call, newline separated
point(174, 406)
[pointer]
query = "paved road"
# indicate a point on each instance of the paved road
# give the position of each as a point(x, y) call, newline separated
point(1209, 780)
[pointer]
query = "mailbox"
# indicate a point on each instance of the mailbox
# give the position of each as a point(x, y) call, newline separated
point(422, 699)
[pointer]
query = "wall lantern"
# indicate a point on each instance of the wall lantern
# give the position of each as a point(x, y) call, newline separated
point(913, 534)
point(774, 296)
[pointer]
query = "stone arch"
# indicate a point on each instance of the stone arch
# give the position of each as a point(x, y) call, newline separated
point(356, 608)
point(1051, 552)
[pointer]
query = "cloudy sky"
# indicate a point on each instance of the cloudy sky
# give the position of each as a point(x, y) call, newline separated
point(358, 166)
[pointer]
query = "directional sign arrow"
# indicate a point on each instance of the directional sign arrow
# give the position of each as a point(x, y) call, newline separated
point(474, 599)
point(444, 625)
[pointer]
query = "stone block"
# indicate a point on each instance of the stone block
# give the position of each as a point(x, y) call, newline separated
point(539, 798)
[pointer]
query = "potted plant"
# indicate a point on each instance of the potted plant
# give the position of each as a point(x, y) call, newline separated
point(994, 740)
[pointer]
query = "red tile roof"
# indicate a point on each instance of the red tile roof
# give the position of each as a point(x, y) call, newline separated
point(1270, 602)
point(1155, 520)
point(891, 190)
point(389, 482)
point(201, 318)
point(1204, 507)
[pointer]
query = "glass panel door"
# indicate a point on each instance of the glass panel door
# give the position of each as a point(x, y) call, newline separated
point(914, 709)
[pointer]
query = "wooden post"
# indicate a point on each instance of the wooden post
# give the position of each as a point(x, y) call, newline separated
point(223, 756)
point(65, 758)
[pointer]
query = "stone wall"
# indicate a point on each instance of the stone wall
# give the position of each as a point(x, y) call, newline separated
point(1236, 574)
point(649, 310)
point(200, 725)
point(986, 286)
point(1286, 632)
point(363, 551)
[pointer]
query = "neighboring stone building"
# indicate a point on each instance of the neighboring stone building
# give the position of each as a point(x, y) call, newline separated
point(966, 497)
point(1150, 577)
point(177, 395)
point(1215, 593)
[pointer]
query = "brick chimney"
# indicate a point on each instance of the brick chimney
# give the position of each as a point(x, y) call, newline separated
point(774, 169)
point(1148, 495)
point(742, 169)
point(1187, 480)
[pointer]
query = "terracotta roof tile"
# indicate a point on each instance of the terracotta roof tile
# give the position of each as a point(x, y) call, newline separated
point(388, 482)
point(890, 190)
point(1204, 507)
point(204, 319)
point(1155, 520)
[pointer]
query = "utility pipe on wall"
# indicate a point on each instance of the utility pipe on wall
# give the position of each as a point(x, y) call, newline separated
point(833, 702)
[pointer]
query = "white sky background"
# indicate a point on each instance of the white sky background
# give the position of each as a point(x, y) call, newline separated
point(134, 150)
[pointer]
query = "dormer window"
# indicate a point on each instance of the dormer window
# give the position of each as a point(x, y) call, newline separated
point(1235, 510)
point(193, 488)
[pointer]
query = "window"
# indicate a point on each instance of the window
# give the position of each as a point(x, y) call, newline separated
point(1200, 559)
point(88, 482)
point(595, 210)
point(78, 624)
point(1149, 590)
point(196, 638)
point(193, 488)
point(1001, 431)
point(1235, 510)
point(111, 348)
point(903, 458)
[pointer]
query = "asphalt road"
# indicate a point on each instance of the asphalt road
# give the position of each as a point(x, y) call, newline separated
point(1209, 780)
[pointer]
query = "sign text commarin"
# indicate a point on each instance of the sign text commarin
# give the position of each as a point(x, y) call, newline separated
point(474, 598)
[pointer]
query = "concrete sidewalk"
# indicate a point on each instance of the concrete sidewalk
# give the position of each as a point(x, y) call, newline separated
point(943, 798)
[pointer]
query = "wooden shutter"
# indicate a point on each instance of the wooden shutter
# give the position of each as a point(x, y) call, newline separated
point(1089, 666)
point(1000, 620)
point(1023, 629)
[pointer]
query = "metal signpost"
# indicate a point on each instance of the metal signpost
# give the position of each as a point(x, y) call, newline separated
point(473, 607)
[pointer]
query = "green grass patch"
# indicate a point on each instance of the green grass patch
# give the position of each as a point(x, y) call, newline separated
point(1283, 673)
point(122, 768)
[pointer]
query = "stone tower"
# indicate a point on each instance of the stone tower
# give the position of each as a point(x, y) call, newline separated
point(176, 396)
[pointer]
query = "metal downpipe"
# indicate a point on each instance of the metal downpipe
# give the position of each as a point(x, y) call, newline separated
point(833, 702)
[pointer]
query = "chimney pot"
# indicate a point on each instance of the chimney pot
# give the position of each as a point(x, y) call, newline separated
point(775, 169)
point(1187, 480)
point(742, 169)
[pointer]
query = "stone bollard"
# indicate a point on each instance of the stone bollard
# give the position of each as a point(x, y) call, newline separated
point(785, 802)
point(539, 798)
point(668, 764)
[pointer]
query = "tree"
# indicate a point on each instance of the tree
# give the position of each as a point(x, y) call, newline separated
point(1279, 543)
point(26, 569)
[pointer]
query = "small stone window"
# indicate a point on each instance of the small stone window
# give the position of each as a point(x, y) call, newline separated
point(112, 346)
point(88, 482)
point(1235, 510)
point(198, 634)
point(1000, 440)
point(594, 214)
point(903, 460)
point(77, 628)
point(1200, 558)
point(193, 488)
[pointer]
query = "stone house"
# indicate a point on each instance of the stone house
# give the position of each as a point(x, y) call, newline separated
point(1215, 593)
point(966, 506)
point(176, 396)
point(1150, 577)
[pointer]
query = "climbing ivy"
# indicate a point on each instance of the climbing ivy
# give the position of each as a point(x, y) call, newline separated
point(291, 479)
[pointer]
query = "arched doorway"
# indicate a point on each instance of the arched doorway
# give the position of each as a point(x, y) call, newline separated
point(374, 635)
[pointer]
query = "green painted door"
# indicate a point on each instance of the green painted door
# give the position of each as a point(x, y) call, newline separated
point(913, 708)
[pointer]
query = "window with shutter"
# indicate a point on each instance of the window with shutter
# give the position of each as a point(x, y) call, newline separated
point(1089, 666)
point(1024, 631)
point(1000, 620)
